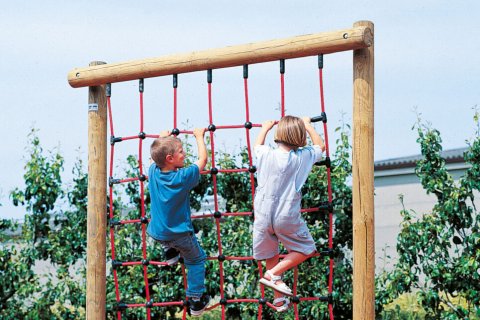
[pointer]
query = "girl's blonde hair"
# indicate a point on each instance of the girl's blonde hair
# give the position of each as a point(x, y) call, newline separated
point(291, 132)
point(163, 146)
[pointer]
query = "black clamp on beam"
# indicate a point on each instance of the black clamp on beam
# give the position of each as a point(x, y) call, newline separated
point(175, 80)
point(108, 89)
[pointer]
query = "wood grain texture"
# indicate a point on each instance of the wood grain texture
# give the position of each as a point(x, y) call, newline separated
point(294, 47)
point(97, 202)
point(363, 188)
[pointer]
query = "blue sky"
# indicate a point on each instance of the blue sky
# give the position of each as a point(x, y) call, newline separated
point(426, 57)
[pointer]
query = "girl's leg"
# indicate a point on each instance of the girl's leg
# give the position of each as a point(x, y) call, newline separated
point(291, 260)
point(270, 264)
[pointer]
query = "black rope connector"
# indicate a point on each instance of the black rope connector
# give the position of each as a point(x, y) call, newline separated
point(320, 61)
point(114, 140)
point(175, 80)
point(325, 162)
point(181, 260)
point(213, 171)
point(149, 304)
point(262, 301)
point(322, 117)
point(328, 253)
point(212, 128)
point(114, 222)
point(296, 299)
point(282, 66)
point(209, 75)
point(108, 90)
point(217, 214)
point(140, 85)
point(142, 177)
point(175, 131)
point(112, 181)
point(142, 135)
point(223, 301)
point(221, 258)
point(121, 306)
point(145, 262)
point(325, 206)
point(252, 216)
point(252, 169)
point(184, 303)
point(144, 219)
point(116, 264)
point(245, 71)
point(248, 125)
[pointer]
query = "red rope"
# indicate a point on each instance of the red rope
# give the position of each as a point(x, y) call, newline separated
point(111, 209)
point(330, 196)
point(142, 203)
point(220, 258)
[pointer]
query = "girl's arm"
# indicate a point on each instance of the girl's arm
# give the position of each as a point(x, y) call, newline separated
point(316, 139)
point(266, 126)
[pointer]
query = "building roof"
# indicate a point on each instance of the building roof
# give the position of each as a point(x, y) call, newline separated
point(450, 156)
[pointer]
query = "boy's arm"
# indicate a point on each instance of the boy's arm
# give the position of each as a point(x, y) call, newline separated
point(202, 148)
point(316, 139)
point(266, 126)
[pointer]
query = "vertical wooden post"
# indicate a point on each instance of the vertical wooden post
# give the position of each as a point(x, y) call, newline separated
point(97, 201)
point(363, 203)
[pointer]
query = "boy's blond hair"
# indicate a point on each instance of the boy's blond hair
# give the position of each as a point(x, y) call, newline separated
point(291, 132)
point(162, 147)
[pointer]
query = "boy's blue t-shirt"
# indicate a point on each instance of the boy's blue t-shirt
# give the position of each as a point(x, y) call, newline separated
point(170, 201)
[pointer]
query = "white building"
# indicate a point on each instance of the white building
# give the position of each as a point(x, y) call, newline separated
point(395, 177)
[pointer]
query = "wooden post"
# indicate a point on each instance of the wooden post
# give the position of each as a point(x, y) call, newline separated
point(363, 205)
point(97, 201)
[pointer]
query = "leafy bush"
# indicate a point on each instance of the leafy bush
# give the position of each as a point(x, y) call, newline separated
point(439, 251)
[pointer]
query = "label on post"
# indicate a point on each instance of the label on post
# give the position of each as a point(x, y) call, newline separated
point(93, 107)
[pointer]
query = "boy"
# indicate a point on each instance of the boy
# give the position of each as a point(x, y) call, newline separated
point(170, 184)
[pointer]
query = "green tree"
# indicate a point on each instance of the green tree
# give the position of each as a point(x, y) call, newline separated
point(439, 251)
point(51, 235)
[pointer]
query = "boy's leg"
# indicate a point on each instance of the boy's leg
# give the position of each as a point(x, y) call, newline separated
point(194, 258)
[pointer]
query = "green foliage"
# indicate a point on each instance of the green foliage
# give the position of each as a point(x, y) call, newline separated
point(439, 251)
point(58, 236)
point(50, 236)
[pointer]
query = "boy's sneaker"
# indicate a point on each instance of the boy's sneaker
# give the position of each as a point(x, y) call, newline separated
point(172, 256)
point(198, 305)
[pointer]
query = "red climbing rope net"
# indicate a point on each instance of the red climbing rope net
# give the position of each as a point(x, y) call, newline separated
point(221, 258)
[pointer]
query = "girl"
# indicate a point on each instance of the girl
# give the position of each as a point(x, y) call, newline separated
point(281, 173)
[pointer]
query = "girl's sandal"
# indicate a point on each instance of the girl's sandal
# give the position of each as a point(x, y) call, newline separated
point(284, 306)
point(272, 283)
